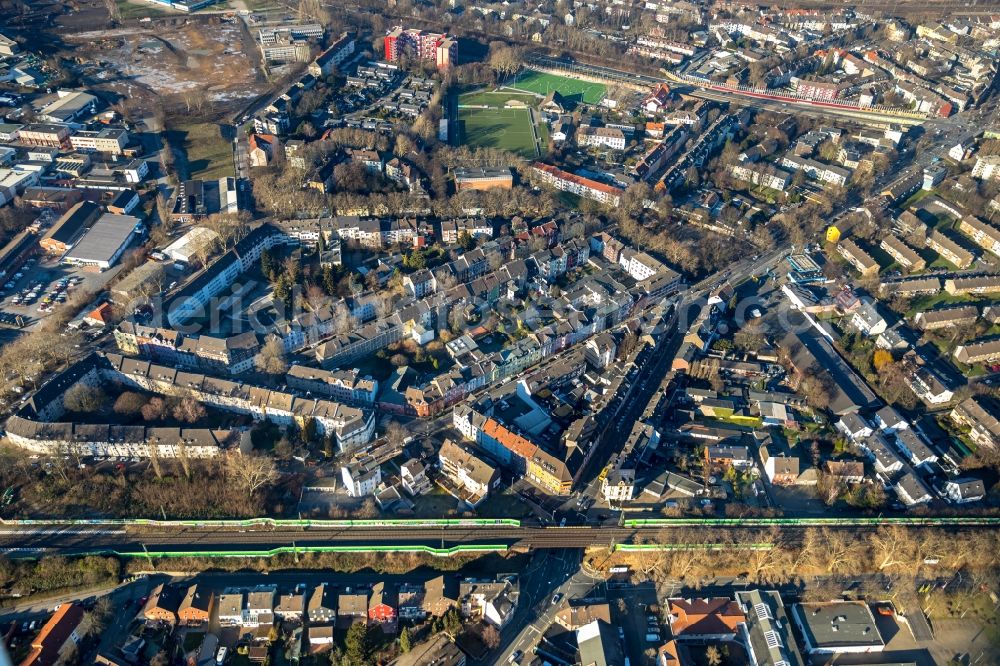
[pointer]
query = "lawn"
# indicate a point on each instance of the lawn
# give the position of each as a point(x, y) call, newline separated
point(508, 129)
point(573, 90)
point(206, 153)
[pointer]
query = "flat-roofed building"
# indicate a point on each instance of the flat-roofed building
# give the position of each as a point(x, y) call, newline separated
point(111, 140)
point(837, 627)
point(105, 242)
point(483, 178)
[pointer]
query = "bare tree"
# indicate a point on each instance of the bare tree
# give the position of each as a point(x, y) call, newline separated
point(272, 359)
point(253, 471)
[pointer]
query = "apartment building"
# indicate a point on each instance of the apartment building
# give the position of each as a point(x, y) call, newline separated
point(985, 235)
point(584, 187)
point(960, 315)
point(434, 47)
point(983, 285)
point(601, 136)
point(986, 351)
point(949, 250)
point(904, 255)
point(328, 61)
point(857, 257)
point(984, 427)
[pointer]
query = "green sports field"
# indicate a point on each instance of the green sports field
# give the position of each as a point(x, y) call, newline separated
point(508, 129)
point(571, 89)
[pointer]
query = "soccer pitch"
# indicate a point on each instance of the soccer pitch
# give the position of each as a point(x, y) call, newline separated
point(571, 89)
point(508, 129)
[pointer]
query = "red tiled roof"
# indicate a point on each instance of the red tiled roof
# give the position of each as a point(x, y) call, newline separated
point(579, 180)
point(719, 615)
point(510, 440)
point(54, 634)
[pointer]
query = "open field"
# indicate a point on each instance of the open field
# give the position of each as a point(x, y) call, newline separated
point(205, 153)
point(508, 129)
point(572, 90)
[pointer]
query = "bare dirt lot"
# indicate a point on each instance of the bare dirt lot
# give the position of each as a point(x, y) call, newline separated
point(200, 60)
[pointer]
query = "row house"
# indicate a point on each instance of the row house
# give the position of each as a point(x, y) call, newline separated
point(452, 230)
point(351, 426)
point(584, 187)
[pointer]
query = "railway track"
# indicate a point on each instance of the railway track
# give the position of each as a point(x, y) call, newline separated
point(157, 537)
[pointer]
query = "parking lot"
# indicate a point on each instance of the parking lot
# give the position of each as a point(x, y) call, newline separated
point(43, 284)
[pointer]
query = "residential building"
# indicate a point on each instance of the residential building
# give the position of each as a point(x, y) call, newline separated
point(575, 617)
point(904, 255)
point(599, 645)
point(767, 631)
point(231, 609)
point(984, 350)
point(982, 285)
point(584, 187)
point(781, 469)
point(712, 619)
point(949, 250)
point(858, 258)
point(762, 175)
point(439, 650)
point(465, 475)
point(963, 491)
point(915, 449)
point(328, 61)
point(162, 605)
point(854, 427)
point(382, 607)
point(195, 609)
point(910, 490)
point(983, 426)
point(493, 601)
point(987, 167)
point(414, 478)
point(260, 606)
point(948, 317)
point(867, 320)
point(352, 607)
point(985, 235)
point(361, 480)
point(291, 606)
point(420, 45)
point(322, 607)
point(58, 640)
point(601, 136)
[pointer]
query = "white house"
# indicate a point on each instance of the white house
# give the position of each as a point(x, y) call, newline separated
point(854, 427)
point(360, 481)
point(962, 491)
point(868, 321)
